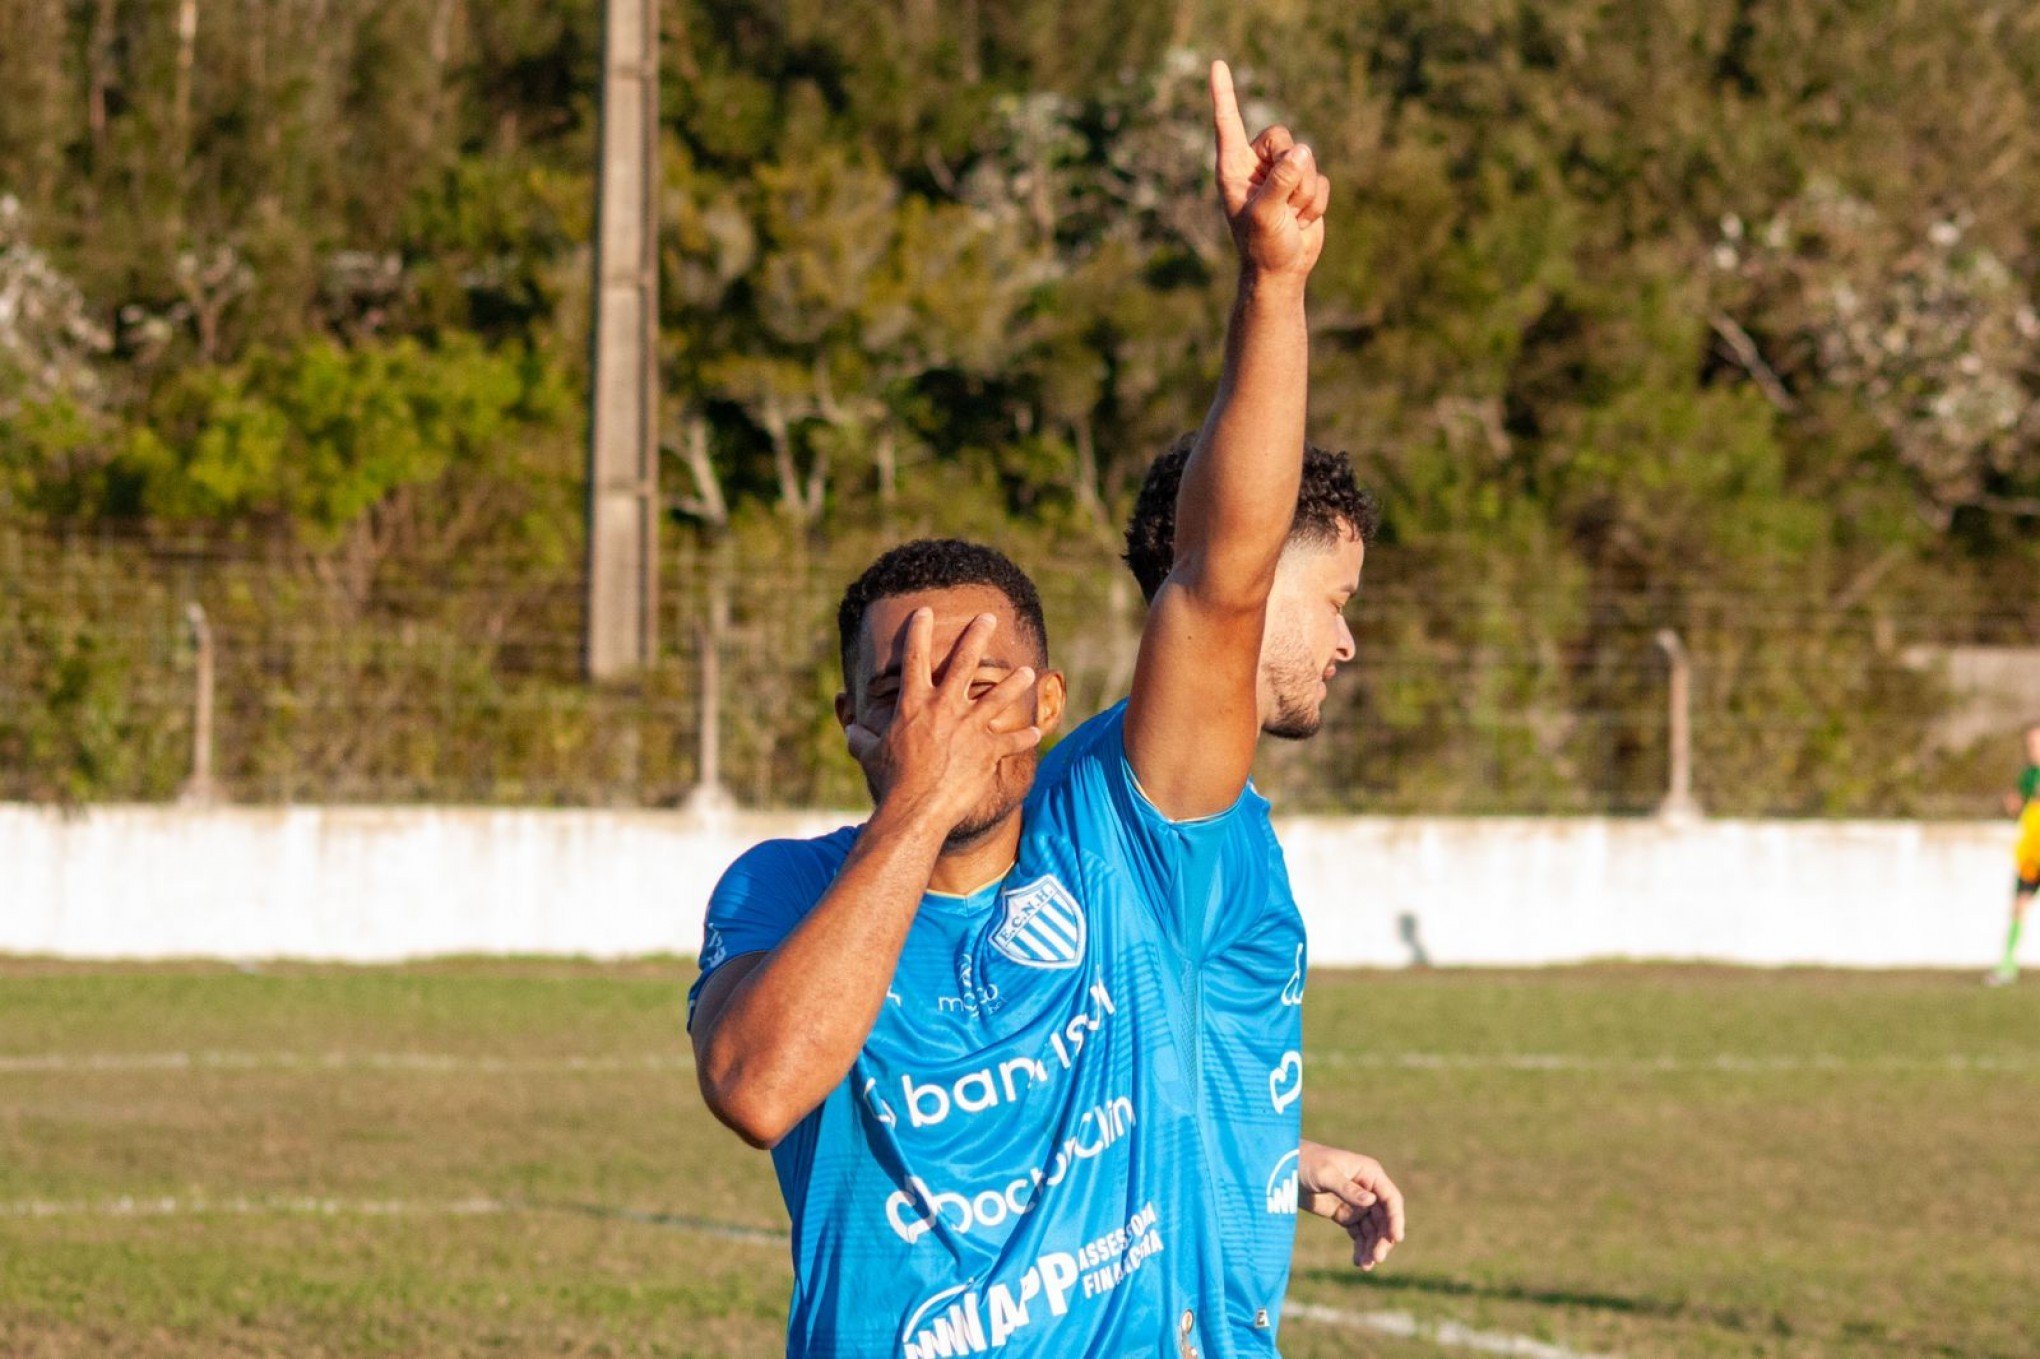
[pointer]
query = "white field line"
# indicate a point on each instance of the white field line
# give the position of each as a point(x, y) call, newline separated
point(1725, 1063)
point(435, 1062)
point(131, 1206)
point(463, 1064)
point(1444, 1334)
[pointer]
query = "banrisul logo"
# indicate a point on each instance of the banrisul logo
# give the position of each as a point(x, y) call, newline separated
point(1043, 926)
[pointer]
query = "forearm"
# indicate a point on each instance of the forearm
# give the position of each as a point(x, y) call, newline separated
point(789, 1033)
point(1239, 489)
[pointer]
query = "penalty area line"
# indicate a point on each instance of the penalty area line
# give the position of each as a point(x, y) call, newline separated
point(1444, 1334)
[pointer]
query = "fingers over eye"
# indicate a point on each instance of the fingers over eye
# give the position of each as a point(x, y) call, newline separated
point(1009, 705)
point(960, 670)
point(917, 652)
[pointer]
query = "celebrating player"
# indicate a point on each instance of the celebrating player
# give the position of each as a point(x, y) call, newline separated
point(970, 1029)
point(2023, 803)
point(1304, 641)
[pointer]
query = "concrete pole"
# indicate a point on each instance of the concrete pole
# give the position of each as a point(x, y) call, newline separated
point(623, 453)
point(198, 789)
point(1679, 804)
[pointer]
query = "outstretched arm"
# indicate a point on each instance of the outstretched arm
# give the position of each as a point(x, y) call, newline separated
point(775, 1032)
point(1193, 721)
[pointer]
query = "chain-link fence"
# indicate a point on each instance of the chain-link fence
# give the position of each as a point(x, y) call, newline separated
point(338, 682)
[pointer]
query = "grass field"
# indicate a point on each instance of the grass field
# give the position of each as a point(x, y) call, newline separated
point(511, 1158)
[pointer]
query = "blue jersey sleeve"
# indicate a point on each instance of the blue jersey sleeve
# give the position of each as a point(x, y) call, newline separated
point(765, 893)
point(1182, 869)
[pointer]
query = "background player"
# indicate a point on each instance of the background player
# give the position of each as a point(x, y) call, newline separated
point(1304, 641)
point(2024, 803)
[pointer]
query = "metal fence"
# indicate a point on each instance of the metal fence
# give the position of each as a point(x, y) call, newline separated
point(461, 684)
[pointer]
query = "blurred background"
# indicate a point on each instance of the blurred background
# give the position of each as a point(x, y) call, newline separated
point(1691, 346)
point(1716, 317)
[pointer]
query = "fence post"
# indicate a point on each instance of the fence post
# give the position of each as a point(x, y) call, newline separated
point(709, 795)
point(1679, 804)
point(198, 790)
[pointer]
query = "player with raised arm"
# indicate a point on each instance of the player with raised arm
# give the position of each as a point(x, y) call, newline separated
point(969, 1029)
point(2024, 803)
point(1265, 670)
point(1304, 642)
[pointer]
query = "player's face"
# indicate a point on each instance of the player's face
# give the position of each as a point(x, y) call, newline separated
point(1305, 639)
point(2033, 745)
point(877, 681)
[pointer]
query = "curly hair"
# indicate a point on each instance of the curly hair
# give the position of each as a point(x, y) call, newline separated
point(1329, 502)
point(936, 564)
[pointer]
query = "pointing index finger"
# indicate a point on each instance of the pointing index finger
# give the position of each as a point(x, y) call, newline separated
point(1235, 153)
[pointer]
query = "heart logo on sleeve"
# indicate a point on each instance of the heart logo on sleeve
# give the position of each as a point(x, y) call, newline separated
point(1285, 1082)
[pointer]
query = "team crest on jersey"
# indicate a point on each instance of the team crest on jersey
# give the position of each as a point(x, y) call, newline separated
point(1043, 926)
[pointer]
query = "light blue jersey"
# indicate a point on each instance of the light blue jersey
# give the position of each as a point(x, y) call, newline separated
point(1250, 967)
point(1253, 976)
point(1025, 1158)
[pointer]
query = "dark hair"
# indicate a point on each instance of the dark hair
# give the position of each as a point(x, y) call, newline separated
point(1328, 501)
point(936, 564)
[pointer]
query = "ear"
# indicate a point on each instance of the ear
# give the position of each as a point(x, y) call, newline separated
point(1051, 691)
point(846, 711)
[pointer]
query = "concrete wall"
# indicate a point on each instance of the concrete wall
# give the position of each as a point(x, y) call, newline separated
point(366, 884)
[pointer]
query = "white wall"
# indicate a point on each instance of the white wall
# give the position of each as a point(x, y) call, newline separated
point(366, 884)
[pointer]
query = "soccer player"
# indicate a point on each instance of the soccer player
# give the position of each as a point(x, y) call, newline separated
point(1263, 951)
point(2023, 803)
point(970, 1029)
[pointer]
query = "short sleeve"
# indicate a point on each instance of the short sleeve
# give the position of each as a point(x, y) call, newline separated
point(765, 893)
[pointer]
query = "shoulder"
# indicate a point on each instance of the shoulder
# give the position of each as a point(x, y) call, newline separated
point(788, 867)
point(1091, 738)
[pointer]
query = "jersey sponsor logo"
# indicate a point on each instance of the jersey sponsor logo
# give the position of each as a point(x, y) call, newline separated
point(876, 1104)
point(973, 998)
point(1003, 1082)
point(1292, 994)
point(968, 1319)
point(914, 1211)
point(1285, 1082)
point(1043, 926)
point(1282, 1185)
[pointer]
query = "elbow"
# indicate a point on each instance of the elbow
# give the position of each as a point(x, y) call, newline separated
point(742, 1104)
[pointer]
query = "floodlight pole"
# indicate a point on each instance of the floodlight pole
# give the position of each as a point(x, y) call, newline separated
point(623, 426)
point(1679, 804)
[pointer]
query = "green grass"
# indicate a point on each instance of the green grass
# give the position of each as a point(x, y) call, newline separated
point(1633, 1161)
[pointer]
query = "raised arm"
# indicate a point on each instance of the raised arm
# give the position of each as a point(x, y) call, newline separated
point(775, 1032)
point(1193, 721)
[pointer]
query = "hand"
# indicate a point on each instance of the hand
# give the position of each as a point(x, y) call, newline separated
point(1274, 197)
point(940, 754)
point(1355, 1192)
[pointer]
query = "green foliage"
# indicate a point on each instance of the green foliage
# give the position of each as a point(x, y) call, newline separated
point(317, 439)
point(1717, 318)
